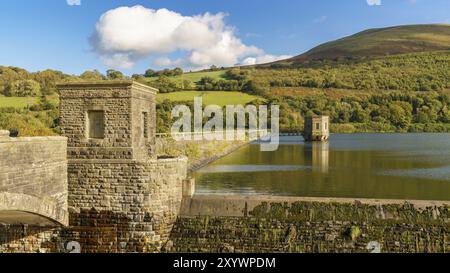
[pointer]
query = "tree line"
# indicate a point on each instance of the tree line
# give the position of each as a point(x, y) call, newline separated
point(388, 112)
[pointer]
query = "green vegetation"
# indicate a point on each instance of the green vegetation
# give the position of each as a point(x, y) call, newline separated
point(17, 102)
point(384, 80)
point(195, 77)
point(166, 72)
point(112, 74)
point(385, 112)
point(39, 119)
point(211, 97)
point(22, 88)
point(166, 102)
point(377, 43)
point(413, 72)
point(178, 81)
point(29, 123)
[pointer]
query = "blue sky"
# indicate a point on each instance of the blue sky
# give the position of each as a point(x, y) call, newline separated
point(41, 34)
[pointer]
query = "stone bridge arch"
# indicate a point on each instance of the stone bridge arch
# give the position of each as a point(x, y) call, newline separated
point(33, 180)
point(17, 208)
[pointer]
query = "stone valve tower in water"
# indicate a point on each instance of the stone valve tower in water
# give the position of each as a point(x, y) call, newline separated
point(317, 128)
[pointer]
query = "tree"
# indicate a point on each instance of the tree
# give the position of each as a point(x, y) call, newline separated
point(23, 88)
point(150, 73)
point(187, 85)
point(178, 71)
point(165, 85)
point(359, 115)
point(92, 76)
point(10, 74)
point(48, 79)
point(112, 74)
point(400, 114)
point(138, 77)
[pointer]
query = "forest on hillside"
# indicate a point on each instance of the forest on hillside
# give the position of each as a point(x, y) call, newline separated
point(388, 112)
point(406, 93)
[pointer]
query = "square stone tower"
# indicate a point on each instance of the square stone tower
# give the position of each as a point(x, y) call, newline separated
point(121, 197)
point(108, 120)
point(317, 128)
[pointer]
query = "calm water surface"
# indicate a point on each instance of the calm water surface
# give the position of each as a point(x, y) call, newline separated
point(399, 166)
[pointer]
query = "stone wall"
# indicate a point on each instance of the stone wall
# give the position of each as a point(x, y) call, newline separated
point(138, 201)
point(34, 169)
point(168, 177)
point(116, 183)
point(131, 209)
point(121, 197)
point(123, 104)
point(199, 153)
point(267, 224)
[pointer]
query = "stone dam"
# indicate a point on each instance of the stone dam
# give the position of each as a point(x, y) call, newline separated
point(102, 187)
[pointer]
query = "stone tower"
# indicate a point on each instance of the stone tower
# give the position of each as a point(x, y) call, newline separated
point(317, 128)
point(120, 195)
point(109, 120)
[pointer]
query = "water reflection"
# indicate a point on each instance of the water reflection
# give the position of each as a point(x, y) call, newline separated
point(317, 155)
point(412, 166)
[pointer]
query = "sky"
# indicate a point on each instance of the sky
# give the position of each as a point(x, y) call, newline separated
point(78, 35)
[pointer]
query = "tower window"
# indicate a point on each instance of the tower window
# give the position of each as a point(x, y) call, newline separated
point(317, 126)
point(96, 124)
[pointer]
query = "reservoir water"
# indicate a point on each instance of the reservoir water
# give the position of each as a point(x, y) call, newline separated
point(382, 166)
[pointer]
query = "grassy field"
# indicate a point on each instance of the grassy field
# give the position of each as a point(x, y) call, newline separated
point(17, 102)
point(195, 77)
point(23, 102)
point(209, 97)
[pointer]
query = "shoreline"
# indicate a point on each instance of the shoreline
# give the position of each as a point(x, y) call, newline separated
point(202, 162)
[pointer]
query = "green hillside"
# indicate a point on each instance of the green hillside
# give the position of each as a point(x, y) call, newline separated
point(193, 77)
point(17, 102)
point(382, 80)
point(380, 42)
point(220, 98)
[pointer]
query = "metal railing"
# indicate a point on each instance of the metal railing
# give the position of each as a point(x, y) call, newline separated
point(210, 135)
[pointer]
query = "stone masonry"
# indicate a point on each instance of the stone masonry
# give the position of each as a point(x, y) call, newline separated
point(264, 224)
point(317, 128)
point(33, 180)
point(121, 197)
point(106, 190)
point(118, 173)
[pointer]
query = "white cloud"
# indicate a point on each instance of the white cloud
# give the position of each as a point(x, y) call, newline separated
point(126, 35)
point(374, 2)
point(73, 2)
point(267, 58)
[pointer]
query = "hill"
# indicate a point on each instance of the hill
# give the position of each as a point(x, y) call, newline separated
point(379, 42)
point(220, 98)
point(352, 80)
point(193, 77)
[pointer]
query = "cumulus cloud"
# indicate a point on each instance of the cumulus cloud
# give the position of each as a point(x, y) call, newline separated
point(126, 35)
point(374, 2)
point(73, 2)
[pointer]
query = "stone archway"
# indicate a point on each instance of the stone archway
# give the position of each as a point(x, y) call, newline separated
point(16, 208)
